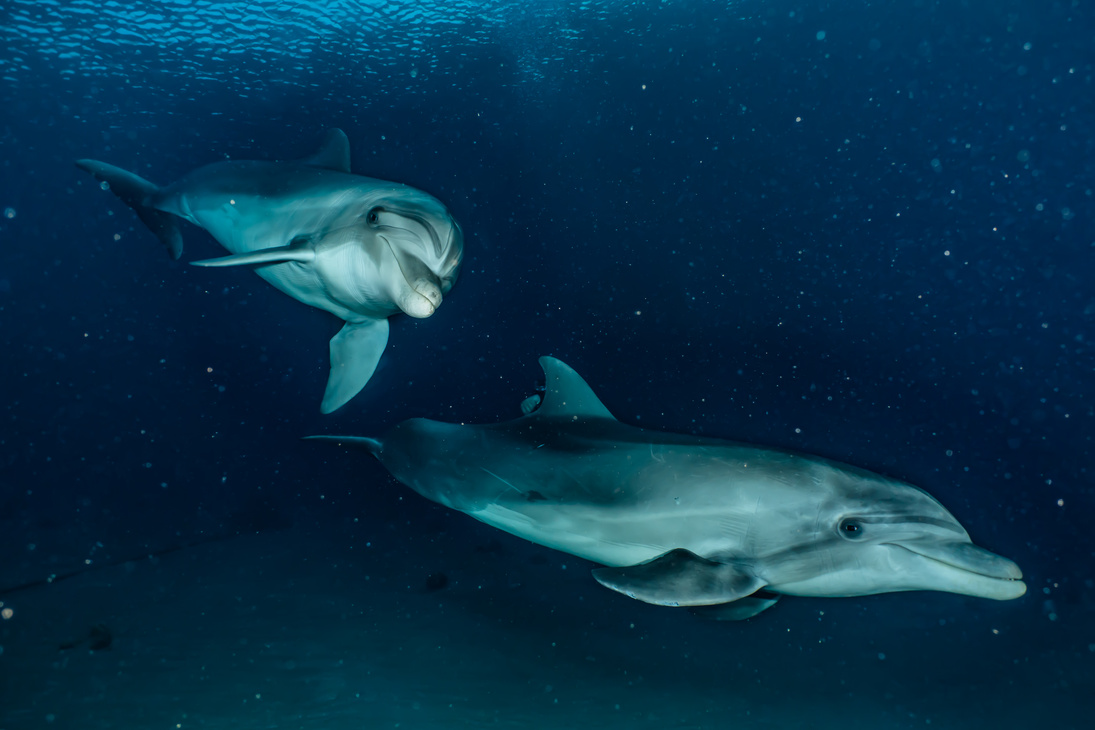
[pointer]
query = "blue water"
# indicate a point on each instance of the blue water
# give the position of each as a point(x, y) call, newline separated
point(858, 229)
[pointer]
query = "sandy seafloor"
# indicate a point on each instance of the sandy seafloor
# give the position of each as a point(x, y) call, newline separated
point(297, 629)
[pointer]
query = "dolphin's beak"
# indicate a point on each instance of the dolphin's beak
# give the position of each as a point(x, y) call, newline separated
point(421, 295)
point(969, 569)
point(966, 556)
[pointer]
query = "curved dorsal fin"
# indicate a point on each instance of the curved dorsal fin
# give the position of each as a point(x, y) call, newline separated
point(566, 395)
point(333, 154)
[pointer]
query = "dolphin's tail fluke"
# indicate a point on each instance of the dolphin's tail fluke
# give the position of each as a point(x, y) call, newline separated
point(137, 193)
point(373, 446)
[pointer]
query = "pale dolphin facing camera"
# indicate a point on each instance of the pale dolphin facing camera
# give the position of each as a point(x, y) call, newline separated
point(722, 527)
point(359, 248)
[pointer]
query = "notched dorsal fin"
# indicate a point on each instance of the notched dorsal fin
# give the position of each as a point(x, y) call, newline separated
point(333, 154)
point(566, 395)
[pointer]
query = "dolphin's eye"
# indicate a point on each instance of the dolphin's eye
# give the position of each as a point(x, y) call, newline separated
point(373, 217)
point(850, 529)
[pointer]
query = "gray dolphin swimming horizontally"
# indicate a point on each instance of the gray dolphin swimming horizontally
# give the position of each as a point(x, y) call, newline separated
point(678, 520)
point(359, 248)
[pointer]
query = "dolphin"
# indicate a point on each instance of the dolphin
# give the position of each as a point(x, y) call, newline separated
point(724, 528)
point(359, 248)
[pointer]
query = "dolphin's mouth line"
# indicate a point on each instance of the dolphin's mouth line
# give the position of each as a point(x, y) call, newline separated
point(956, 565)
point(422, 295)
point(402, 273)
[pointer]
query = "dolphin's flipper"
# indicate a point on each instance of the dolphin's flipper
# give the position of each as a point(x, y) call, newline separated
point(566, 395)
point(355, 351)
point(680, 578)
point(298, 251)
point(738, 610)
point(333, 154)
point(139, 194)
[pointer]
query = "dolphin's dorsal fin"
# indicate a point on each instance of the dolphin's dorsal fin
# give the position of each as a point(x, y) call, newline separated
point(333, 154)
point(566, 395)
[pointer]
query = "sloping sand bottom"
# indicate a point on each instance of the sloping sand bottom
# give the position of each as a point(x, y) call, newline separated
point(296, 630)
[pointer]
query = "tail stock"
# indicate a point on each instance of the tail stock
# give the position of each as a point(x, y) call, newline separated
point(137, 193)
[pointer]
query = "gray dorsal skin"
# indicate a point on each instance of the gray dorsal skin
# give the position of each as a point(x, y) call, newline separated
point(360, 248)
point(688, 521)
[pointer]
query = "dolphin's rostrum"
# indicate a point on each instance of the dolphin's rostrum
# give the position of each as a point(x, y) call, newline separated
point(723, 527)
point(359, 248)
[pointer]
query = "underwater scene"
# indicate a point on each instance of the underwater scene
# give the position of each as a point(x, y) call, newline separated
point(651, 364)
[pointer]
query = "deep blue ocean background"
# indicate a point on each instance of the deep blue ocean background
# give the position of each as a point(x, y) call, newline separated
point(857, 229)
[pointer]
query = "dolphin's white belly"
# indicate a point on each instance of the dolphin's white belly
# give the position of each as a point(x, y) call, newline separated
point(619, 537)
point(247, 223)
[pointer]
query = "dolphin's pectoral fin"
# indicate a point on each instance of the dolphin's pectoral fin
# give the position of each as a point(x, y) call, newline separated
point(566, 395)
point(301, 251)
point(680, 578)
point(738, 610)
point(355, 351)
point(333, 154)
point(140, 195)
